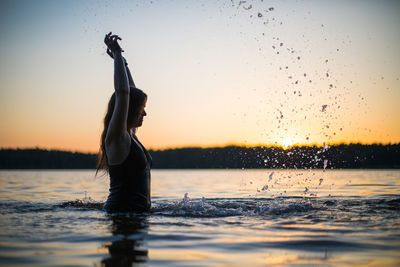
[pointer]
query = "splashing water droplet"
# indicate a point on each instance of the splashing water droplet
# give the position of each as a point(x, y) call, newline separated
point(248, 8)
point(270, 176)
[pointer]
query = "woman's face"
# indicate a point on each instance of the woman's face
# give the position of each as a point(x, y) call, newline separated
point(141, 115)
point(140, 119)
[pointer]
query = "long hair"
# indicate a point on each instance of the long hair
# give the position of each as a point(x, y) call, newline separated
point(137, 99)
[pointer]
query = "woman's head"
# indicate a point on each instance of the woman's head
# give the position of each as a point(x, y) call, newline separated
point(137, 103)
point(136, 112)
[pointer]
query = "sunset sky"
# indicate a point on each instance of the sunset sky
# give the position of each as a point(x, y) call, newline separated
point(216, 72)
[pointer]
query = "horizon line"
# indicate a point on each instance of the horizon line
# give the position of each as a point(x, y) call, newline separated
point(216, 146)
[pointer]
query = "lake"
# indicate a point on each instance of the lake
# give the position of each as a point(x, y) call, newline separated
point(204, 218)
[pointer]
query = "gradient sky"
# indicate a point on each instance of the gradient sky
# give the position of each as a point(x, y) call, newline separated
point(216, 72)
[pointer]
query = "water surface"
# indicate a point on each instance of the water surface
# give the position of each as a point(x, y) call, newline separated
point(227, 217)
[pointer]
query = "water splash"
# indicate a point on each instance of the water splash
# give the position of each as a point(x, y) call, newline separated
point(232, 207)
point(86, 202)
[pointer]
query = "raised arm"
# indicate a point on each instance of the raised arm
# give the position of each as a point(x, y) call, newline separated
point(131, 82)
point(128, 72)
point(117, 129)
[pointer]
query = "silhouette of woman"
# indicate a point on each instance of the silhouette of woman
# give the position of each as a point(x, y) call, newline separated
point(121, 154)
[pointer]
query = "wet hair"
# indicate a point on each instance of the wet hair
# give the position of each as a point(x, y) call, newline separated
point(137, 99)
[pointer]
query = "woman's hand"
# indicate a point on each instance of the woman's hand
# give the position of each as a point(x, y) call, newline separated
point(112, 44)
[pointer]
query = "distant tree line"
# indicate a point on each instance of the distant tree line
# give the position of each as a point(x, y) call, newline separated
point(45, 159)
point(375, 156)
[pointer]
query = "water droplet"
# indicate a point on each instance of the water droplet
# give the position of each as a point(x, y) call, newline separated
point(270, 176)
point(325, 163)
point(265, 187)
point(248, 8)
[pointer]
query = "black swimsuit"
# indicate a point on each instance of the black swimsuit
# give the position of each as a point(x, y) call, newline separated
point(130, 181)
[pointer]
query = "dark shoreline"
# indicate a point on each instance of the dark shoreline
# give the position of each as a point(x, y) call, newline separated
point(341, 156)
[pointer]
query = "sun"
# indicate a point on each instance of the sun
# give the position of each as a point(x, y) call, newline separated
point(286, 143)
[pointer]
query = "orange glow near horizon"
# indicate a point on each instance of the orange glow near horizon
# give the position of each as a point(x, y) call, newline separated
point(284, 146)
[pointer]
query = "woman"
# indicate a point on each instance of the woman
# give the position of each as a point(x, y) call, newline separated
point(121, 154)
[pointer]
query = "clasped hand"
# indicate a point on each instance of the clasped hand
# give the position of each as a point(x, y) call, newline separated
point(112, 44)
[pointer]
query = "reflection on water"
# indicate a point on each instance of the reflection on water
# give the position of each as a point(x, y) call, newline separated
point(55, 218)
point(129, 247)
